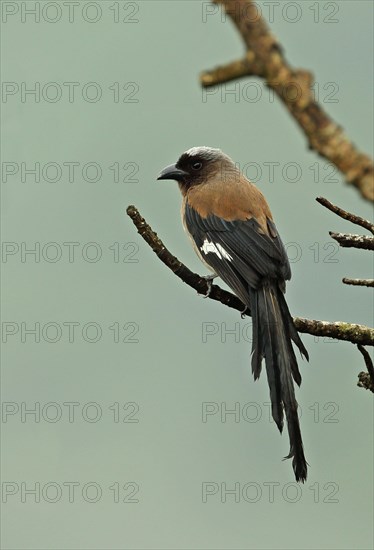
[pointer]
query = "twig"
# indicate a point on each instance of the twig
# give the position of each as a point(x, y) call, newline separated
point(346, 215)
point(358, 282)
point(366, 379)
point(354, 241)
point(340, 330)
point(348, 240)
point(358, 334)
point(265, 59)
point(232, 71)
point(368, 361)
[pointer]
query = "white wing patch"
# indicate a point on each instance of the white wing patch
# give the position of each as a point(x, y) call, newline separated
point(215, 249)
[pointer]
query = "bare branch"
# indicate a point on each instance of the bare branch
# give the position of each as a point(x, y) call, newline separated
point(368, 361)
point(186, 275)
point(358, 334)
point(347, 240)
point(349, 332)
point(231, 71)
point(358, 282)
point(346, 215)
point(265, 59)
point(366, 379)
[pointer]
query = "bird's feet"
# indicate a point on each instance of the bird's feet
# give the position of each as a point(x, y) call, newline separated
point(246, 311)
point(209, 279)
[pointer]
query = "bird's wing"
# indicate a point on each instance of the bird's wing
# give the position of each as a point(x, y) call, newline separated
point(239, 251)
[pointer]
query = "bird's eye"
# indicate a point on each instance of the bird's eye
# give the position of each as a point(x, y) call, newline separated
point(197, 165)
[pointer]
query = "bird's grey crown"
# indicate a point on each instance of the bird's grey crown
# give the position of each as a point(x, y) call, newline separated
point(203, 153)
point(207, 153)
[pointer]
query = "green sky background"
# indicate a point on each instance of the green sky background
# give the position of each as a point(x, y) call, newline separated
point(137, 371)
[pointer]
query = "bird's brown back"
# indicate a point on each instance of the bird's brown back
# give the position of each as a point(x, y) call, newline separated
point(237, 200)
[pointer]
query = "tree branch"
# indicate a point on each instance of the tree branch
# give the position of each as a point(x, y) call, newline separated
point(368, 361)
point(346, 215)
point(348, 240)
point(358, 282)
point(340, 330)
point(366, 379)
point(232, 71)
point(265, 59)
point(186, 275)
point(358, 334)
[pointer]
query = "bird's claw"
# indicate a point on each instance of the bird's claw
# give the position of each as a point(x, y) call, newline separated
point(244, 312)
point(209, 280)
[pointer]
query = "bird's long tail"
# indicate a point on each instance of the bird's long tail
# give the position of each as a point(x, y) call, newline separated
point(273, 330)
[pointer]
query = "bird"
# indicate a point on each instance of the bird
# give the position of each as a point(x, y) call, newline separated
point(232, 231)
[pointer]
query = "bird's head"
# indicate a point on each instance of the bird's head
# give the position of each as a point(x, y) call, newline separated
point(198, 165)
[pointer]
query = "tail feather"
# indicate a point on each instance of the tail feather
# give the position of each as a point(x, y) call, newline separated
point(293, 362)
point(273, 330)
point(269, 339)
point(257, 354)
point(294, 335)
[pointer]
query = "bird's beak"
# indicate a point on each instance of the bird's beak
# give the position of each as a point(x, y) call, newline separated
point(172, 173)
